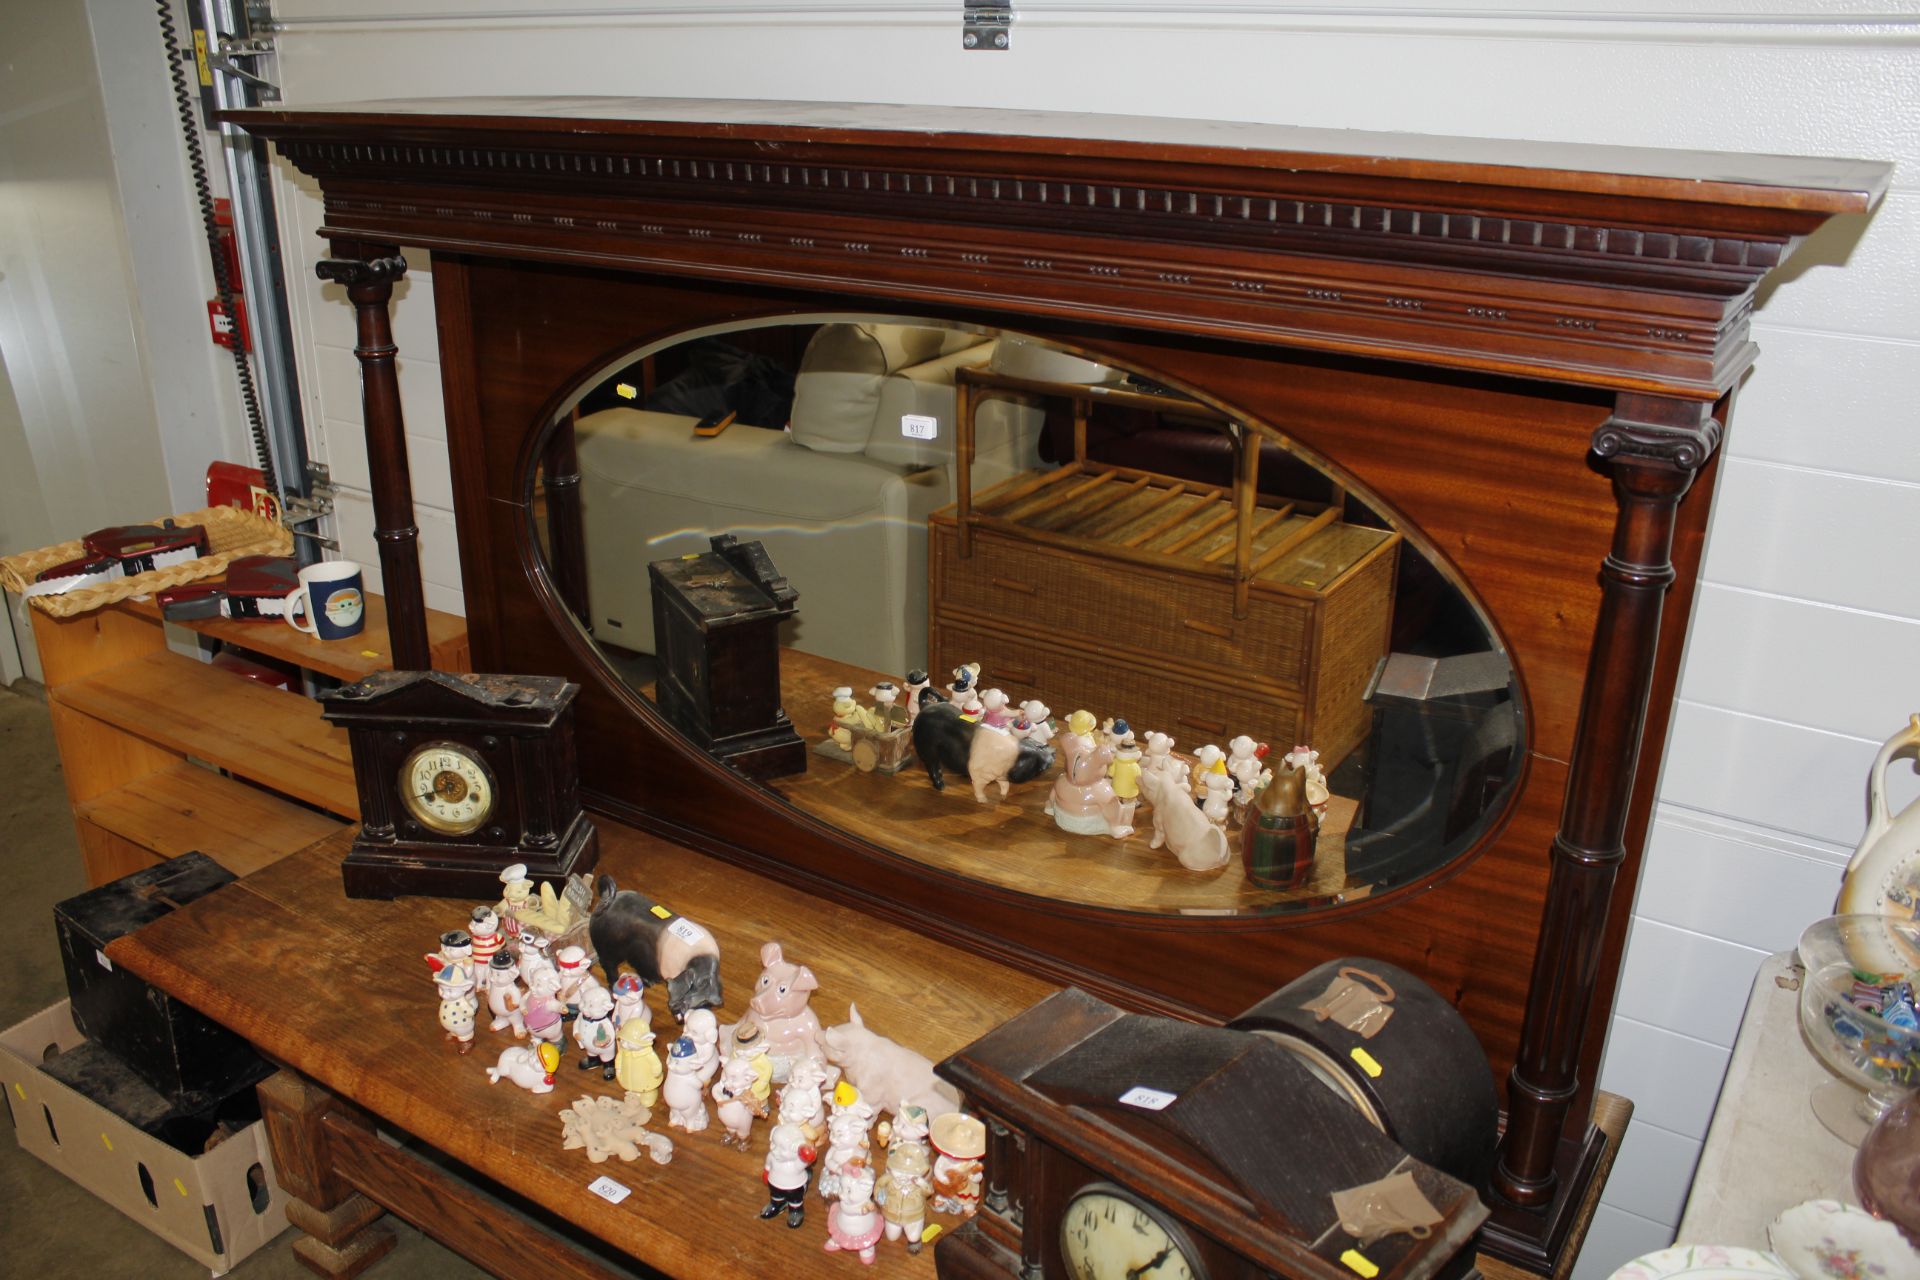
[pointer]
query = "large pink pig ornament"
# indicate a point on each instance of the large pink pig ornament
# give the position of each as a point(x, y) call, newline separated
point(890, 1074)
point(789, 1029)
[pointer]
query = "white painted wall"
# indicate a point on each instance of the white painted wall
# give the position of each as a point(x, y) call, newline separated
point(1807, 625)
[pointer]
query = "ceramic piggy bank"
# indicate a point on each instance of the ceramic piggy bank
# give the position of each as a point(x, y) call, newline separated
point(529, 1066)
point(885, 1071)
point(788, 1028)
point(656, 944)
point(944, 739)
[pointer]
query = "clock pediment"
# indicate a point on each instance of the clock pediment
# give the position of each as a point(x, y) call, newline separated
point(497, 701)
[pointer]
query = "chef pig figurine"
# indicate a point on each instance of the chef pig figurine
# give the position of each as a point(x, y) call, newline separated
point(593, 1030)
point(788, 1156)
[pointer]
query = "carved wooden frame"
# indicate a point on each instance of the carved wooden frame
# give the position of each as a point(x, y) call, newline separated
point(1604, 272)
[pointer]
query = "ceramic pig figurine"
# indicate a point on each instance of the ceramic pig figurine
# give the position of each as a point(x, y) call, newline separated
point(593, 1030)
point(1244, 757)
point(960, 1147)
point(994, 712)
point(704, 1030)
point(917, 692)
point(525, 1065)
point(1038, 719)
point(1083, 800)
point(801, 1102)
point(504, 997)
point(635, 1065)
point(788, 1156)
point(543, 1011)
point(457, 1004)
point(484, 929)
point(629, 929)
point(853, 1220)
point(944, 740)
point(788, 1028)
point(904, 1187)
point(881, 1069)
point(847, 1141)
point(1197, 843)
point(733, 1100)
point(686, 1102)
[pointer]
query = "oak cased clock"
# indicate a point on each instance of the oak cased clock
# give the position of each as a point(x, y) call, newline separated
point(1127, 1147)
point(460, 776)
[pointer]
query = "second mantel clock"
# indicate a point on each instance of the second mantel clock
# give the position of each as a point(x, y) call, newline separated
point(460, 776)
point(1126, 1147)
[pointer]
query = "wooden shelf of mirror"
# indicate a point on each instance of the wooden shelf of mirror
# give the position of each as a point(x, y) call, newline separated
point(1281, 609)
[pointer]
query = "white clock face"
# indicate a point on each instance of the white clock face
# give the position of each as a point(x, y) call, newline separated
point(447, 788)
point(1107, 1234)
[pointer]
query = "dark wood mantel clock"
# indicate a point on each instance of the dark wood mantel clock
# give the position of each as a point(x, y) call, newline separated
point(1122, 1146)
point(461, 776)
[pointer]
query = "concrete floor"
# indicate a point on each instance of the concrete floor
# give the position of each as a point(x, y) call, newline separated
point(49, 1227)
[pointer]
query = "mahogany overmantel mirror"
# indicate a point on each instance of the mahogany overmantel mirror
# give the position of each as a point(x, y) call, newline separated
point(1399, 446)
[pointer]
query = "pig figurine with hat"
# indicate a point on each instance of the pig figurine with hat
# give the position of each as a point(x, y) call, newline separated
point(960, 1146)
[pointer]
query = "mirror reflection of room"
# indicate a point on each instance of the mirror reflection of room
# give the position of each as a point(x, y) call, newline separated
point(1182, 665)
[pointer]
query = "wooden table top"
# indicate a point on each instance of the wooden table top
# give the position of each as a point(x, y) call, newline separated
point(338, 991)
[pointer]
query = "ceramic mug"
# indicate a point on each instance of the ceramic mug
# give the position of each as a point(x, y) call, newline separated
point(329, 602)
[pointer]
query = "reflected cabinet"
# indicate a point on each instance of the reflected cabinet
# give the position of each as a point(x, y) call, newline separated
point(1141, 465)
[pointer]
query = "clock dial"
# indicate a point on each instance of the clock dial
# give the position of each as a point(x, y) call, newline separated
point(1107, 1233)
point(447, 788)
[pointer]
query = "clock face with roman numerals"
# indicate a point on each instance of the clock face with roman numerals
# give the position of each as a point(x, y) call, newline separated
point(1108, 1233)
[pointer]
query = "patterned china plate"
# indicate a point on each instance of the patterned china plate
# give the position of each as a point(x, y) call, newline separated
point(1705, 1262)
point(1827, 1240)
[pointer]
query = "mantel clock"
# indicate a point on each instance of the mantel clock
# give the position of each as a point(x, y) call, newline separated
point(1124, 1147)
point(460, 776)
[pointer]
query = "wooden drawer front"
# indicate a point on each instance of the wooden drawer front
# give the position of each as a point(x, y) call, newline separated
point(1186, 701)
point(1111, 602)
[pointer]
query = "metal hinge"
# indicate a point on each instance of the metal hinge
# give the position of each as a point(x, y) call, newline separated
point(987, 24)
point(317, 503)
point(232, 47)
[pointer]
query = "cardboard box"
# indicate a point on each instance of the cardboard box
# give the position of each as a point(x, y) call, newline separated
point(193, 1060)
point(216, 1208)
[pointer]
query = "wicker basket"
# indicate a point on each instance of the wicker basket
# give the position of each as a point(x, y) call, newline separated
point(231, 533)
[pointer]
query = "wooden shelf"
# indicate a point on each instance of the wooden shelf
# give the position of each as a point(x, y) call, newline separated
point(131, 718)
point(349, 660)
point(269, 736)
point(185, 807)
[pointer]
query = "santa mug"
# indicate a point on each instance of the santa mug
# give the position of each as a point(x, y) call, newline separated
point(329, 602)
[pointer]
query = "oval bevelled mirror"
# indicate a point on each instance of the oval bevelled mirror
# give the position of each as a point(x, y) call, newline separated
point(857, 556)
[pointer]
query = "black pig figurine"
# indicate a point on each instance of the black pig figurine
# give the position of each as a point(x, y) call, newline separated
point(656, 944)
point(981, 755)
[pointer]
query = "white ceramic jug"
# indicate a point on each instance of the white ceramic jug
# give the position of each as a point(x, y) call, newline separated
point(1883, 876)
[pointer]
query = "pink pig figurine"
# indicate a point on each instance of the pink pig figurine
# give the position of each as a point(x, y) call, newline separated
point(885, 1071)
point(789, 1029)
